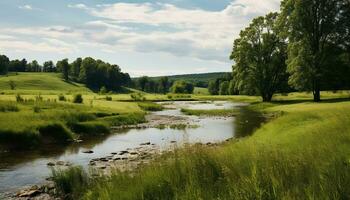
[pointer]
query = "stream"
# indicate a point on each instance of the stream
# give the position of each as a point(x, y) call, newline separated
point(24, 168)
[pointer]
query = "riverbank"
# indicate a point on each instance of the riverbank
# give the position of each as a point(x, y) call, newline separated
point(303, 153)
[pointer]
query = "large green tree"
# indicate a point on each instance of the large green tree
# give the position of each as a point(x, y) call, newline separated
point(63, 66)
point(259, 55)
point(312, 26)
point(4, 64)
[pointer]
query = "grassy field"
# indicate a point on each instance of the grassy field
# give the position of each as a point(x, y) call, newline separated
point(303, 154)
point(33, 83)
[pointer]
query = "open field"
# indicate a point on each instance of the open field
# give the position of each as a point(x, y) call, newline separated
point(35, 83)
point(303, 154)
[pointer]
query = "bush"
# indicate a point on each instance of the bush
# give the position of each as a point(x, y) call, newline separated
point(54, 133)
point(108, 98)
point(103, 90)
point(19, 98)
point(150, 106)
point(73, 181)
point(36, 108)
point(8, 108)
point(90, 128)
point(138, 96)
point(182, 87)
point(61, 97)
point(78, 98)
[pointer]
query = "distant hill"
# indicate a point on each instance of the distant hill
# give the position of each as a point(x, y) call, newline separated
point(200, 80)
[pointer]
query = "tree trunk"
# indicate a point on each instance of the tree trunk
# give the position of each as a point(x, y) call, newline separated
point(267, 97)
point(317, 92)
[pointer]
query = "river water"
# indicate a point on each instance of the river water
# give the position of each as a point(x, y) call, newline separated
point(23, 168)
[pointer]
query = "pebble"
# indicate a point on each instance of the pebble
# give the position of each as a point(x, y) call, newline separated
point(88, 151)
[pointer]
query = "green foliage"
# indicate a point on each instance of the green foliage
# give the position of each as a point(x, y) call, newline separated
point(12, 85)
point(8, 107)
point(314, 27)
point(4, 64)
point(64, 67)
point(78, 98)
point(213, 87)
point(90, 128)
point(150, 106)
point(260, 55)
point(138, 96)
point(182, 87)
point(72, 181)
point(109, 98)
point(103, 90)
point(224, 86)
point(19, 98)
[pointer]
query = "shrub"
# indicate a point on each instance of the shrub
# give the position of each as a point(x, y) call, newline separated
point(38, 98)
point(108, 98)
point(12, 85)
point(73, 181)
point(78, 98)
point(8, 108)
point(61, 97)
point(36, 108)
point(19, 98)
point(55, 132)
point(103, 90)
point(138, 96)
point(90, 128)
point(150, 106)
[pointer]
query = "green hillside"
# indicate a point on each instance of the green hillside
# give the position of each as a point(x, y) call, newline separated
point(46, 82)
point(200, 80)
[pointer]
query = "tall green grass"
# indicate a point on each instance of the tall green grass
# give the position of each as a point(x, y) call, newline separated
point(31, 123)
point(304, 154)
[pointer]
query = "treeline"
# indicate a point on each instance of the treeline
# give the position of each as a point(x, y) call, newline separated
point(95, 74)
point(305, 47)
point(162, 85)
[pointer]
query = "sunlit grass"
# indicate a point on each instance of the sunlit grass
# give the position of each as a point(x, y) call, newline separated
point(303, 154)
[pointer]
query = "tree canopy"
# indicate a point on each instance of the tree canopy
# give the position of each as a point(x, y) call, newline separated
point(259, 54)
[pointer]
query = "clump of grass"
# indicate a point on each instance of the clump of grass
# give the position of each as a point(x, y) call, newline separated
point(215, 112)
point(138, 96)
point(90, 128)
point(78, 98)
point(55, 133)
point(8, 107)
point(125, 119)
point(19, 98)
point(150, 106)
point(72, 181)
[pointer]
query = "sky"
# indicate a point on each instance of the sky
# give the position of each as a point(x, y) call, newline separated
point(153, 37)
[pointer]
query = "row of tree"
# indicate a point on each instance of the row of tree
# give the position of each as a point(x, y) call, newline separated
point(162, 85)
point(7, 65)
point(306, 46)
point(94, 73)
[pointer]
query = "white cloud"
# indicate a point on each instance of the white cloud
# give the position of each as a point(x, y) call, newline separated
point(148, 27)
point(183, 32)
point(26, 7)
point(78, 6)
